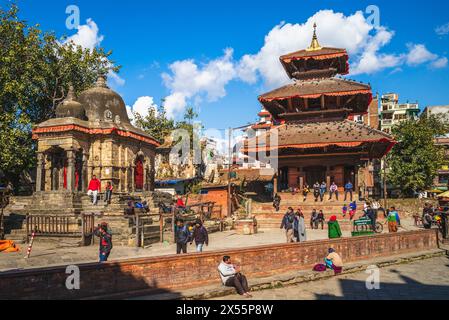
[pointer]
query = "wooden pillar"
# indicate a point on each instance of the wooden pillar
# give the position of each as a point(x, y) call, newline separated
point(70, 170)
point(40, 166)
point(328, 177)
point(301, 182)
point(323, 102)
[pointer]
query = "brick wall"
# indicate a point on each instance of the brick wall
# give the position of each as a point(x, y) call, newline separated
point(219, 196)
point(170, 273)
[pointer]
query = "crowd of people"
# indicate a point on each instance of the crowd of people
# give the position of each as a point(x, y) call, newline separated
point(321, 189)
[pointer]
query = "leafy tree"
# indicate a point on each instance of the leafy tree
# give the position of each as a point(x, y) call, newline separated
point(36, 70)
point(156, 123)
point(415, 160)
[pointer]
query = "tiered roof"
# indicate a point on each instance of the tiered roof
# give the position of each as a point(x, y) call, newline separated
point(339, 135)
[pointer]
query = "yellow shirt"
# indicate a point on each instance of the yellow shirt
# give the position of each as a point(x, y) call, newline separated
point(336, 259)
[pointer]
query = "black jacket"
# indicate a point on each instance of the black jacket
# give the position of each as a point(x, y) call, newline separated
point(200, 235)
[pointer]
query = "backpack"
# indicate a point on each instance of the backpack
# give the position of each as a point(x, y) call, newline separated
point(320, 268)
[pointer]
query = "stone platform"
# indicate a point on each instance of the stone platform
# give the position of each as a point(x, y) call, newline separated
point(63, 203)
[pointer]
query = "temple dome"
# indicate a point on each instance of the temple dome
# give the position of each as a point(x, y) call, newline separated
point(103, 104)
point(70, 107)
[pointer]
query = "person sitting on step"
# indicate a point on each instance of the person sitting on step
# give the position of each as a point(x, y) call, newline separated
point(231, 276)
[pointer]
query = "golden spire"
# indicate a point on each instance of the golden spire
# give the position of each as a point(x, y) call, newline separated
point(315, 45)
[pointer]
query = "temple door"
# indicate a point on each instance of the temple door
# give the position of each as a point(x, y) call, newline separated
point(138, 175)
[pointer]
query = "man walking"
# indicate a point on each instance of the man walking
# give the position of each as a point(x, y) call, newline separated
point(231, 276)
point(200, 235)
point(349, 188)
point(288, 224)
point(182, 237)
point(94, 188)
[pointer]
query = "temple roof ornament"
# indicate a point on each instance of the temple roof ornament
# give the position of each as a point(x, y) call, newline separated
point(315, 45)
point(70, 107)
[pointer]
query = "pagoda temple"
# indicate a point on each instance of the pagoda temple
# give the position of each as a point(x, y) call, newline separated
point(316, 141)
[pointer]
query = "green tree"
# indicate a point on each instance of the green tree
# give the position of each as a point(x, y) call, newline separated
point(414, 161)
point(156, 123)
point(36, 70)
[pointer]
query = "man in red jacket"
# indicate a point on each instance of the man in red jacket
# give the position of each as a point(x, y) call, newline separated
point(94, 188)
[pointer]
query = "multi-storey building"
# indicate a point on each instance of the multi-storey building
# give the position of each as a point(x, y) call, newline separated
point(392, 112)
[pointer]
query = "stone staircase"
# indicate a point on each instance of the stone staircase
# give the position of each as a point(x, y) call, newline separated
point(64, 203)
point(268, 218)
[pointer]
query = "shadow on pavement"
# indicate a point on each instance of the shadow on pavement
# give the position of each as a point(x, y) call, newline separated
point(410, 289)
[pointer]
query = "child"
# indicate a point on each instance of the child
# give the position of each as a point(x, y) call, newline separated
point(305, 192)
point(352, 210)
point(345, 210)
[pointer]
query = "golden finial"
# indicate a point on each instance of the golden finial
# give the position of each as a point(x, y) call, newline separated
point(315, 45)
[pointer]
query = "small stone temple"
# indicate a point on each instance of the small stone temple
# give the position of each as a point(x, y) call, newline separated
point(92, 135)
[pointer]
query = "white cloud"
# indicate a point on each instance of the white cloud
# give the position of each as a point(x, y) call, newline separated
point(442, 30)
point(418, 54)
point(188, 81)
point(440, 63)
point(87, 35)
point(141, 107)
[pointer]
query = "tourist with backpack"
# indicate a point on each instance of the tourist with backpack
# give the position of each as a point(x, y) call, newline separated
point(288, 225)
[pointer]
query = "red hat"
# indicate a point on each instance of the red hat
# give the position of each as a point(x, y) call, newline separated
point(333, 218)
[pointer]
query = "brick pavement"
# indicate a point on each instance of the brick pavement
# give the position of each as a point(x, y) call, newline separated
point(425, 279)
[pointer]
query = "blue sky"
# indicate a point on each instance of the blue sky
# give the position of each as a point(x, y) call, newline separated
point(177, 48)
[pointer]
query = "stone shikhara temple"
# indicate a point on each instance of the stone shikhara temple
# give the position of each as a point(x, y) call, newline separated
point(316, 140)
point(92, 135)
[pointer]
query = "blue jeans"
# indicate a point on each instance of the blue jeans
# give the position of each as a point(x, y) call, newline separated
point(199, 247)
point(104, 257)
